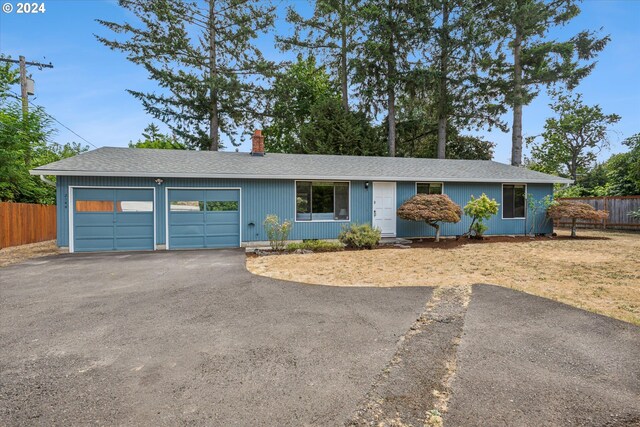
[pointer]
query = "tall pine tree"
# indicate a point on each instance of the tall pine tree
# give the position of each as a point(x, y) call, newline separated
point(203, 57)
point(332, 31)
point(448, 78)
point(384, 59)
point(528, 57)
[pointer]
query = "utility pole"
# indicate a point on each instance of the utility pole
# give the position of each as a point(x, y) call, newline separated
point(23, 87)
point(23, 79)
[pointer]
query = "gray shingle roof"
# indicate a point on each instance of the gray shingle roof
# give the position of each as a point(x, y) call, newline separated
point(110, 161)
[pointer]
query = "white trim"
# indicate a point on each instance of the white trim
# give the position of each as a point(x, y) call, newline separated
point(395, 203)
point(72, 208)
point(167, 206)
point(292, 177)
point(295, 197)
point(429, 182)
point(526, 190)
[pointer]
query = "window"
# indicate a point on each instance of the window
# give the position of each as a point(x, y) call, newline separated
point(135, 206)
point(222, 206)
point(514, 201)
point(187, 206)
point(429, 188)
point(322, 201)
point(94, 206)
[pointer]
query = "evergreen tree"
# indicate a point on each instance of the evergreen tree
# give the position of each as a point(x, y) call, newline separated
point(332, 31)
point(391, 33)
point(153, 138)
point(527, 57)
point(454, 52)
point(334, 130)
point(203, 56)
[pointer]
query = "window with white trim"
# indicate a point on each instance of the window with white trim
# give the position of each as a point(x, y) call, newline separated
point(429, 188)
point(514, 198)
point(322, 201)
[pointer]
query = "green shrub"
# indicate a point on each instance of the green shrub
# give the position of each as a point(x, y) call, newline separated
point(635, 214)
point(316, 246)
point(478, 228)
point(360, 236)
point(479, 210)
point(277, 233)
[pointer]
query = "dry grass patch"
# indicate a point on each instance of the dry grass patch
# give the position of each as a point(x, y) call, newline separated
point(598, 275)
point(15, 254)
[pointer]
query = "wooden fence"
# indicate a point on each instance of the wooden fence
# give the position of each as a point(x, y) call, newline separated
point(618, 207)
point(22, 223)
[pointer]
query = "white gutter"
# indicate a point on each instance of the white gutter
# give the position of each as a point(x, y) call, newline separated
point(294, 177)
point(47, 181)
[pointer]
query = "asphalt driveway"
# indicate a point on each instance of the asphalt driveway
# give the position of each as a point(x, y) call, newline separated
point(187, 338)
point(192, 338)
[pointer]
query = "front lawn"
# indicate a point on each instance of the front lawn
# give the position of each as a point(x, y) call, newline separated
point(601, 274)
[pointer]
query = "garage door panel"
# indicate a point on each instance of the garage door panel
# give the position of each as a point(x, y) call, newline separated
point(222, 217)
point(187, 230)
point(222, 195)
point(214, 229)
point(134, 219)
point(134, 243)
point(92, 245)
point(216, 223)
point(108, 219)
point(93, 194)
point(186, 195)
point(93, 219)
point(134, 231)
point(222, 241)
point(134, 194)
point(186, 242)
point(179, 218)
point(94, 231)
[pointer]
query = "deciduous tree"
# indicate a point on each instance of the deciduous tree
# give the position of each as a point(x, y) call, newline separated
point(432, 209)
point(575, 211)
point(572, 138)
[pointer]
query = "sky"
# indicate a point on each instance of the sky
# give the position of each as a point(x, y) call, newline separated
point(86, 89)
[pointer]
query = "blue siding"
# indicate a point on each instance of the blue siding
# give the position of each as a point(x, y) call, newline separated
point(460, 193)
point(260, 198)
point(204, 229)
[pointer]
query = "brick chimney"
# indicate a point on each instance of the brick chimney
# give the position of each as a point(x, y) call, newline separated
point(257, 143)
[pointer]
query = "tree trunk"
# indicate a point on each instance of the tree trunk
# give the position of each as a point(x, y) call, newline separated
point(437, 227)
point(343, 59)
point(391, 90)
point(516, 136)
point(214, 123)
point(442, 137)
point(573, 227)
point(442, 107)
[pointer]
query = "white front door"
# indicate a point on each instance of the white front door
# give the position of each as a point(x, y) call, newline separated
point(384, 207)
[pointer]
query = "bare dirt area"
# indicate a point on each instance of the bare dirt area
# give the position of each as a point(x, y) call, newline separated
point(16, 254)
point(597, 271)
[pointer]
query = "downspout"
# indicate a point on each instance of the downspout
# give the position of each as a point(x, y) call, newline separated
point(47, 181)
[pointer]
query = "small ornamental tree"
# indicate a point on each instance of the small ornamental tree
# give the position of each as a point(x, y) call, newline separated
point(277, 232)
point(432, 209)
point(480, 209)
point(575, 211)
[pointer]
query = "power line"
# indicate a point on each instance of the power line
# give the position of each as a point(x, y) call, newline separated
point(60, 123)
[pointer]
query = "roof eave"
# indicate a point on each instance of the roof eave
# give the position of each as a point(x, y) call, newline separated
point(556, 180)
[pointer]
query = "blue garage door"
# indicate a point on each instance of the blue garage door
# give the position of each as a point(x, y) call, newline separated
point(110, 219)
point(204, 219)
